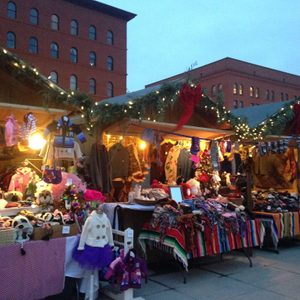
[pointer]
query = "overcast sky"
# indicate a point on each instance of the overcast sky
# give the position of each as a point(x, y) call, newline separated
point(168, 36)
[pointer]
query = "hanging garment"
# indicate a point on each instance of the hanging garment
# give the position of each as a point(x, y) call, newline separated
point(11, 131)
point(119, 161)
point(29, 126)
point(100, 169)
point(184, 164)
point(171, 164)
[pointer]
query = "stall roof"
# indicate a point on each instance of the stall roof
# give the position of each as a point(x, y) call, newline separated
point(255, 115)
point(135, 127)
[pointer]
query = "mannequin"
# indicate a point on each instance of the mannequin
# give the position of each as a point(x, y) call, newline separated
point(94, 250)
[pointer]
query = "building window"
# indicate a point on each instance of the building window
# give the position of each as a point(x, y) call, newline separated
point(220, 87)
point(34, 16)
point(282, 96)
point(235, 89)
point(73, 82)
point(33, 45)
point(235, 103)
point(213, 90)
point(92, 58)
point(74, 27)
point(92, 86)
point(110, 37)
point(109, 63)
point(267, 95)
point(74, 55)
point(110, 89)
point(241, 89)
point(11, 10)
point(272, 96)
point(251, 91)
point(257, 93)
point(92, 32)
point(253, 104)
point(11, 40)
point(54, 22)
point(54, 50)
point(286, 97)
point(241, 103)
point(53, 77)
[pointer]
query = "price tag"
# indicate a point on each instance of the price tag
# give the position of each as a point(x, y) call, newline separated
point(66, 230)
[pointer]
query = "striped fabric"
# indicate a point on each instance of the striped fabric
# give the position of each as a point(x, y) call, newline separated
point(209, 242)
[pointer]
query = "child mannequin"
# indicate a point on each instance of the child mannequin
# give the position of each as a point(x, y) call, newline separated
point(94, 249)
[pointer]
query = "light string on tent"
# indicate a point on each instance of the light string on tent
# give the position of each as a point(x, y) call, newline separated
point(151, 107)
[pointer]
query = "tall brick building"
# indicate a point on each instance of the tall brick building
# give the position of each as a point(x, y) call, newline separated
point(79, 44)
point(242, 83)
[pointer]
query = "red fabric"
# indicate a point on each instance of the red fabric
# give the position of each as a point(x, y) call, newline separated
point(93, 195)
point(189, 97)
point(295, 127)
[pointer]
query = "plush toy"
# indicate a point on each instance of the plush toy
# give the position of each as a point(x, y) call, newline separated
point(45, 199)
point(186, 191)
point(13, 196)
point(195, 187)
point(23, 228)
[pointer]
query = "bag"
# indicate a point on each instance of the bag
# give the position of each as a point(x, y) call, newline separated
point(52, 175)
point(62, 141)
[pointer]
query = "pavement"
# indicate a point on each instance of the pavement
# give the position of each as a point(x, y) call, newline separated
point(273, 276)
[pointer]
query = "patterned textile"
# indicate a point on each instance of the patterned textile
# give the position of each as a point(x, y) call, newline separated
point(37, 274)
point(208, 242)
point(171, 164)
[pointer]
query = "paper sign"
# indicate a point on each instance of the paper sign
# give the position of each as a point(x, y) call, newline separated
point(66, 230)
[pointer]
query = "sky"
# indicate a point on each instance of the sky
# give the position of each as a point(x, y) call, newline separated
point(168, 37)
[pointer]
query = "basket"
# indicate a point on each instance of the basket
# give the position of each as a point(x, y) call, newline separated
point(145, 202)
point(7, 236)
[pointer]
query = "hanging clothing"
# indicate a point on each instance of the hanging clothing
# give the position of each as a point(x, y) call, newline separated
point(29, 126)
point(134, 161)
point(171, 164)
point(100, 168)
point(184, 164)
point(119, 161)
point(11, 131)
point(20, 180)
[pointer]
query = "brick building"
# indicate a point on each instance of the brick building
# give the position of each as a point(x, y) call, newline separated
point(243, 84)
point(79, 44)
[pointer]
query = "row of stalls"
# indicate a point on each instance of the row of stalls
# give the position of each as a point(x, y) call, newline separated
point(190, 177)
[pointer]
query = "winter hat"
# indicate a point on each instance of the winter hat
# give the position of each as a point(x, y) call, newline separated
point(195, 147)
point(186, 190)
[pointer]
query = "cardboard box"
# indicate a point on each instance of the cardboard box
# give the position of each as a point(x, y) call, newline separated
point(58, 231)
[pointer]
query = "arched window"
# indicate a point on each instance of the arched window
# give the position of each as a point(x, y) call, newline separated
point(92, 32)
point(251, 91)
point(73, 55)
point(241, 103)
point(54, 77)
point(73, 82)
point(257, 93)
point(241, 89)
point(54, 22)
point(110, 89)
point(282, 96)
point(220, 87)
point(110, 37)
point(213, 90)
point(92, 86)
point(109, 63)
point(34, 16)
point(11, 10)
point(10, 40)
point(267, 95)
point(235, 88)
point(272, 96)
point(286, 97)
point(33, 45)
point(235, 103)
point(74, 27)
point(54, 50)
point(92, 59)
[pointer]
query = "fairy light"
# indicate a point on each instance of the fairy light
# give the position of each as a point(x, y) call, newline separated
point(106, 104)
point(130, 102)
point(16, 64)
point(82, 107)
point(4, 51)
point(51, 84)
point(125, 110)
point(23, 66)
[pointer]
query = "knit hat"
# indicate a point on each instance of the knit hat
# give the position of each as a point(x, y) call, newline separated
point(195, 147)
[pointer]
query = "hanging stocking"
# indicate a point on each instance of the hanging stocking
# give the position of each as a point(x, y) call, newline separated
point(189, 97)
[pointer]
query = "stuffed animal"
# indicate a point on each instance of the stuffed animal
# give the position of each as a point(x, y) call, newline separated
point(13, 196)
point(23, 228)
point(45, 199)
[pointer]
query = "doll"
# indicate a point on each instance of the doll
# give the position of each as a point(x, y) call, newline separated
point(94, 250)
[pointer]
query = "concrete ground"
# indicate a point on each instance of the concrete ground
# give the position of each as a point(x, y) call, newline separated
point(273, 276)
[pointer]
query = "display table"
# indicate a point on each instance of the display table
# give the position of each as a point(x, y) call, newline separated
point(281, 225)
point(184, 246)
point(35, 275)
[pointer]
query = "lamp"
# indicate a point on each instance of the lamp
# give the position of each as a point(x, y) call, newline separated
point(36, 141)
